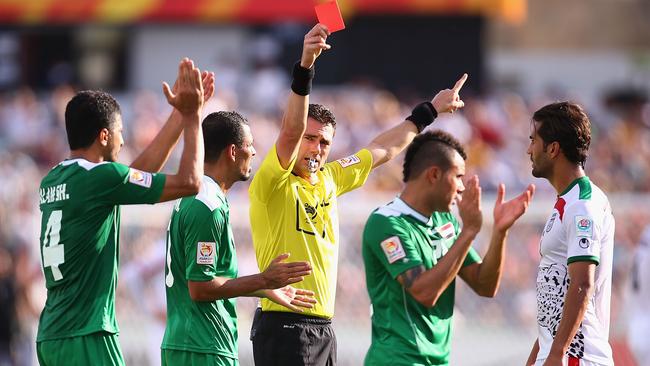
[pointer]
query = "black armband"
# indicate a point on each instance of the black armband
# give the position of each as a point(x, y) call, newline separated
point(423, 115)
point(302, 79)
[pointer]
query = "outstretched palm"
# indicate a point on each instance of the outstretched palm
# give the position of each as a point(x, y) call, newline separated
point(506, 213)
point(292, 298)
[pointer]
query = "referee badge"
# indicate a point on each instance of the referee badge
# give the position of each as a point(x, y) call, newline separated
point(393, 250)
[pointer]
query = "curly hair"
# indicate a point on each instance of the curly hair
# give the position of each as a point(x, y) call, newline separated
point(568, 124)
point(321, 114)
point(431, 148)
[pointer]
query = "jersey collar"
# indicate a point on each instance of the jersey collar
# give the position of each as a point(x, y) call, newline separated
point(582, 181)
point(213, 188)
point(403, 208)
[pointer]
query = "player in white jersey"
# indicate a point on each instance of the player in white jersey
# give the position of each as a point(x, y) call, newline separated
point(574, 278)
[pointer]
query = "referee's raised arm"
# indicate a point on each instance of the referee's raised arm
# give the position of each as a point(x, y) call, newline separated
point(294, 121)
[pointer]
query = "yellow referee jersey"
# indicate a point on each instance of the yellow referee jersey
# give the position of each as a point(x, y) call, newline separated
point(290, 215)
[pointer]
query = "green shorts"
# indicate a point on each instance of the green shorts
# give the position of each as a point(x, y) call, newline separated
point(172, 357)
point(101, 349)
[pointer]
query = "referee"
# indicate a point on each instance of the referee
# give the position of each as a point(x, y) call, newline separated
point(294, 209)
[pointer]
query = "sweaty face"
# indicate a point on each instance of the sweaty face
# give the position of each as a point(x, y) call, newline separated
point(245, 154)
point(314, 148)
point(537, 153)
point(451, 184)
point(115, 139)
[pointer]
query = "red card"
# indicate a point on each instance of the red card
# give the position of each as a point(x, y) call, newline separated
point(329, 14)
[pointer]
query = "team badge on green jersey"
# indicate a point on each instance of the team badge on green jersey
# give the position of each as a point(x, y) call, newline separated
point(140, 178)
point(205, 253)
point(393, 249)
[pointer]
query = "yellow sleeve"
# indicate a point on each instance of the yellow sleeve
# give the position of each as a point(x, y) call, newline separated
point(350, 172)
point(269, 177)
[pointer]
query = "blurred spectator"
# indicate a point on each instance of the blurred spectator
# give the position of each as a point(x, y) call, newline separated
point(638, 302)
point(7, 307)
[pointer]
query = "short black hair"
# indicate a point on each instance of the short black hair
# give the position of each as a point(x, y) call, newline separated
point(86, 114)
point(428, 149)
point(568, 124)
point(321, 114)
point(221, 129)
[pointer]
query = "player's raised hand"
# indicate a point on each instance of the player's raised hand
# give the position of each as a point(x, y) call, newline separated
point(506, 213)
point(292, 298)
point(315, 42)
point(280, 273)
point(207, 80)
point(188, 94)
point(469, 205)
point(448, 100)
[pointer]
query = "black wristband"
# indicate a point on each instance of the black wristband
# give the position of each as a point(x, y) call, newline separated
point(302, 79)
point(423, 115)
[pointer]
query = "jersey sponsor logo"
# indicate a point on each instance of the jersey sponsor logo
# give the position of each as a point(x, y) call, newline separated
point(205, 252)
point(393, 250)
point(348, 161)
point(447, 230)
point(584, 227)
point(584, 243)
point(140, 178)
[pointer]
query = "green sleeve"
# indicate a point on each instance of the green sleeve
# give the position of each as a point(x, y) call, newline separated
point(390, 244)
point(121, 185)
point(201, 239)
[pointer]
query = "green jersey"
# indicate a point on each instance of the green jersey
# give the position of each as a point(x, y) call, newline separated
point(200, 247)
point(80, 228)
point(397, 238)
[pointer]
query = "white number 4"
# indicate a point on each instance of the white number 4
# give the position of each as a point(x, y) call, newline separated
point(53, 254)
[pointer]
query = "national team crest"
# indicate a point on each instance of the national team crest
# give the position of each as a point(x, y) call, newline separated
point(393, 250)
point(447, 230)
point(205, 252)
point(549, 225)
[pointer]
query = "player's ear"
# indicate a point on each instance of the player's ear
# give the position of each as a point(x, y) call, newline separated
point(553, 149)
point(232, 152)
point(103, 137)
point(434, 173)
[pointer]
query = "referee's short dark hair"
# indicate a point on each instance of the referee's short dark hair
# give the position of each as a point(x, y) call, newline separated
point(568, 124)
point(428, 149)
point(321, 114)
point(86, 114)
point(221, 129)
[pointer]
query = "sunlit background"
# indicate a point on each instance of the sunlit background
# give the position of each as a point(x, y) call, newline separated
point(519, 54)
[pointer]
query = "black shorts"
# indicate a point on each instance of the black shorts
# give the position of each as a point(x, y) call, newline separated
point(288, 339)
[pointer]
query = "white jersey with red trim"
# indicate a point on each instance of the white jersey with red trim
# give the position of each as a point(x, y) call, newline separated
point(581, 228)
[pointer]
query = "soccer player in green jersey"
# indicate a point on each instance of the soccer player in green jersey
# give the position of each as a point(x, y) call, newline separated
point(413, 249)
point(80, 202)
point(201, 271)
